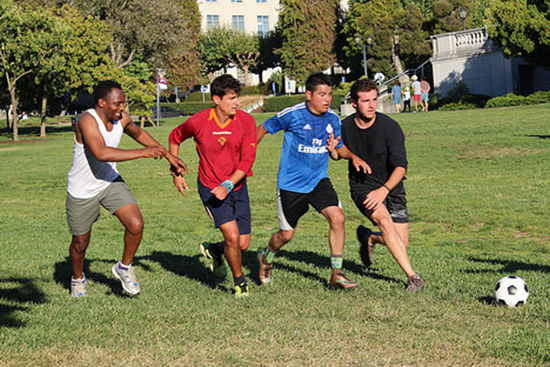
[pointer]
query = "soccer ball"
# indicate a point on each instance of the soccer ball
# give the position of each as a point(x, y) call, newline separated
point(511, 291)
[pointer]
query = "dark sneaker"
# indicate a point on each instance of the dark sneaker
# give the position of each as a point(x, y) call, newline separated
point(217, 265)
point(241, 290)
point(265, 272)
point(339, 281)
point(366, 249)
point(414, 284)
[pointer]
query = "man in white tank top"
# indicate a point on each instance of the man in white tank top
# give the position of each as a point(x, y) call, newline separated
point(94, 181)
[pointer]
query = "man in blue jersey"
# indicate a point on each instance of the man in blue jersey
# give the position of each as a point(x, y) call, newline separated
point(312, 133)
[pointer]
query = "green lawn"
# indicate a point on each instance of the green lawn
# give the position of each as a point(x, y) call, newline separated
point(477, 187)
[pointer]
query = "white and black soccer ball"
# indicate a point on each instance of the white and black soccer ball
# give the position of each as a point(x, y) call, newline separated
point(511, 291)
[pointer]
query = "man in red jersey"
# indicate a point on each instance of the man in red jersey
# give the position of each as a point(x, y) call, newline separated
point(226, 144)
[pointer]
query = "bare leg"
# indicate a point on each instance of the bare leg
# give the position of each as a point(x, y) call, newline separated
point(77, 252)
point(337, 232)
point(131, 218)
point(232, 248)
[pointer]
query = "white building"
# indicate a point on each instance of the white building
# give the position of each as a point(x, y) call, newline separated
point(470, 56)
point(250, 16)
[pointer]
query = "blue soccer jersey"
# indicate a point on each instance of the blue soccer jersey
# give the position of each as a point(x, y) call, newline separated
point(304, 156)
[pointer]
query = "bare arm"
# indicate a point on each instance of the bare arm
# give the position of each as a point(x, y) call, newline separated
point(260, 133)
point(358, 163)
point(179, 180)
point(376, 197)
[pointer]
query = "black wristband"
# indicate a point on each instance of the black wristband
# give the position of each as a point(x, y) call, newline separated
point(389, 190)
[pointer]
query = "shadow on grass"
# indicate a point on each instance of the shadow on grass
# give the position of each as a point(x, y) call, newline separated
point(538, 136)
point(34, 131)
point(63, 272)
point(187, 266)
point(324, 262)
point(508, 266)
point(15, 295)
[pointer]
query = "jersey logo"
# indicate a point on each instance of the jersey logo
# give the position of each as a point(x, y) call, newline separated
point(222, 140)
point(329, 128)
point(307, 127)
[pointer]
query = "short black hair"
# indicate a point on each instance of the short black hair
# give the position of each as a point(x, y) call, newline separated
point(103, 88)
point(362, 85)
point(224, 84)
point(317, 79)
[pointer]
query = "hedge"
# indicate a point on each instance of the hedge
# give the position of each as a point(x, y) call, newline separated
point(189, 108)
point(277, 104)
point(512, 99)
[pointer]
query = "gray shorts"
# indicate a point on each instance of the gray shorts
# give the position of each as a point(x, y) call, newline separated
point(83, 213)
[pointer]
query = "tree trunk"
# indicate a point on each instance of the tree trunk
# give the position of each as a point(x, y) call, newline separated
point(43, 117)
point(15, 126)
point(8, 117)
point(403, 79)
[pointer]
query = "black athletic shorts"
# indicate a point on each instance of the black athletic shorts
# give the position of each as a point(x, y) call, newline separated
point(396, 202)
point(291, 206)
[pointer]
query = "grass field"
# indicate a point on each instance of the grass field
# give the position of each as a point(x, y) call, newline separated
point(477, 186)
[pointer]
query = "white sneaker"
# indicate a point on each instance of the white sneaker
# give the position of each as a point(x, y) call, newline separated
point(78, 287)
point(127, 278)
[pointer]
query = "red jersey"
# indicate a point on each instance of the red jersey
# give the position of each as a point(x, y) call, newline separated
point(222, 149)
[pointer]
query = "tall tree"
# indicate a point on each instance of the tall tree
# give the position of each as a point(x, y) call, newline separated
point(155, 28)
point(268, 58)
point(245, 51)
point(308, 31)
point(28, 40)
point(214, 51)
point(521, 28)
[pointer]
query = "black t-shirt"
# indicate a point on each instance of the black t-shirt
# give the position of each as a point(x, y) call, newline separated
point(382, 146)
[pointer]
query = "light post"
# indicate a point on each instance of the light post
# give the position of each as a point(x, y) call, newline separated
point(161, 84)
point(463, 14)
point(364, 47)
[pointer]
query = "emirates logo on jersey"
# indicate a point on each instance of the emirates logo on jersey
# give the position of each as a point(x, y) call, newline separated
point(222, 140)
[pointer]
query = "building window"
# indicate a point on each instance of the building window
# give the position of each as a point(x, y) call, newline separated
point(238, 22)
point(236, 1)
point(211, 1)
point(212, 21)
point(263, 25)
point(261, 1)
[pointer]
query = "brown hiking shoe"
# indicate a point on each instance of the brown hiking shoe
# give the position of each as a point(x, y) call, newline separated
point(265, 272)
point(414, 284)
point(339, 281)
point(366, 249)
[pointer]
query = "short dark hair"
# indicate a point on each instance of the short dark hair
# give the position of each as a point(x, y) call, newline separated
point(224, 84)
point(103, 88)
point(317, 79)
point(362, 85)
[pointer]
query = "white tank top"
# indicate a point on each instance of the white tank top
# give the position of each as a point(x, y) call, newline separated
point(88, 176)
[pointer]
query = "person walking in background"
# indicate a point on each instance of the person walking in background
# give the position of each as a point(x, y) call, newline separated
point(380, 196)
point(425, 90)
point(94, 181)
point(311, 135)
point(407, 99)
point(396, 96)
point(417, 93)
point(226, 143)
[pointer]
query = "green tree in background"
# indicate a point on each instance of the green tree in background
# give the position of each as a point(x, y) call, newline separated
point(308, 32)
point(522, 29)
point(30, 41)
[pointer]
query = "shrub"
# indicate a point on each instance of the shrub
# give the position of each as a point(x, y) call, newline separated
point(506, 100)
point(189, 108)
point(460, 98)
point(538, 97)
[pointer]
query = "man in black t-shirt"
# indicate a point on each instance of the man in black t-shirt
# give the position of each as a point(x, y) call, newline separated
point(380, 196)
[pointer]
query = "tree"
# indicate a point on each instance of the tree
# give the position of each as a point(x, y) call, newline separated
point(397, 34)
point(268, 58)
point(245, 51)
point(522, 29)
point(28, 39)
point(308, 31)
point(155, 28)
point(214, 53)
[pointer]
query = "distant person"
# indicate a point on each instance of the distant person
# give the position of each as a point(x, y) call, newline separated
point(407, 99)
point(425, 90)
point(417, 93)
point(396, 96)
point(94, 181)
point(226, 144)
point(24, 116)
point(311, 135)
point(380, 196)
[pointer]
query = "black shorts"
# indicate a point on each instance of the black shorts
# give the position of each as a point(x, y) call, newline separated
point(236, 206)
point(291, 206)
point(396, 203)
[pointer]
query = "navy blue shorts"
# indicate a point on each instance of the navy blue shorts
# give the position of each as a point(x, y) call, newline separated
point(236, 206)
